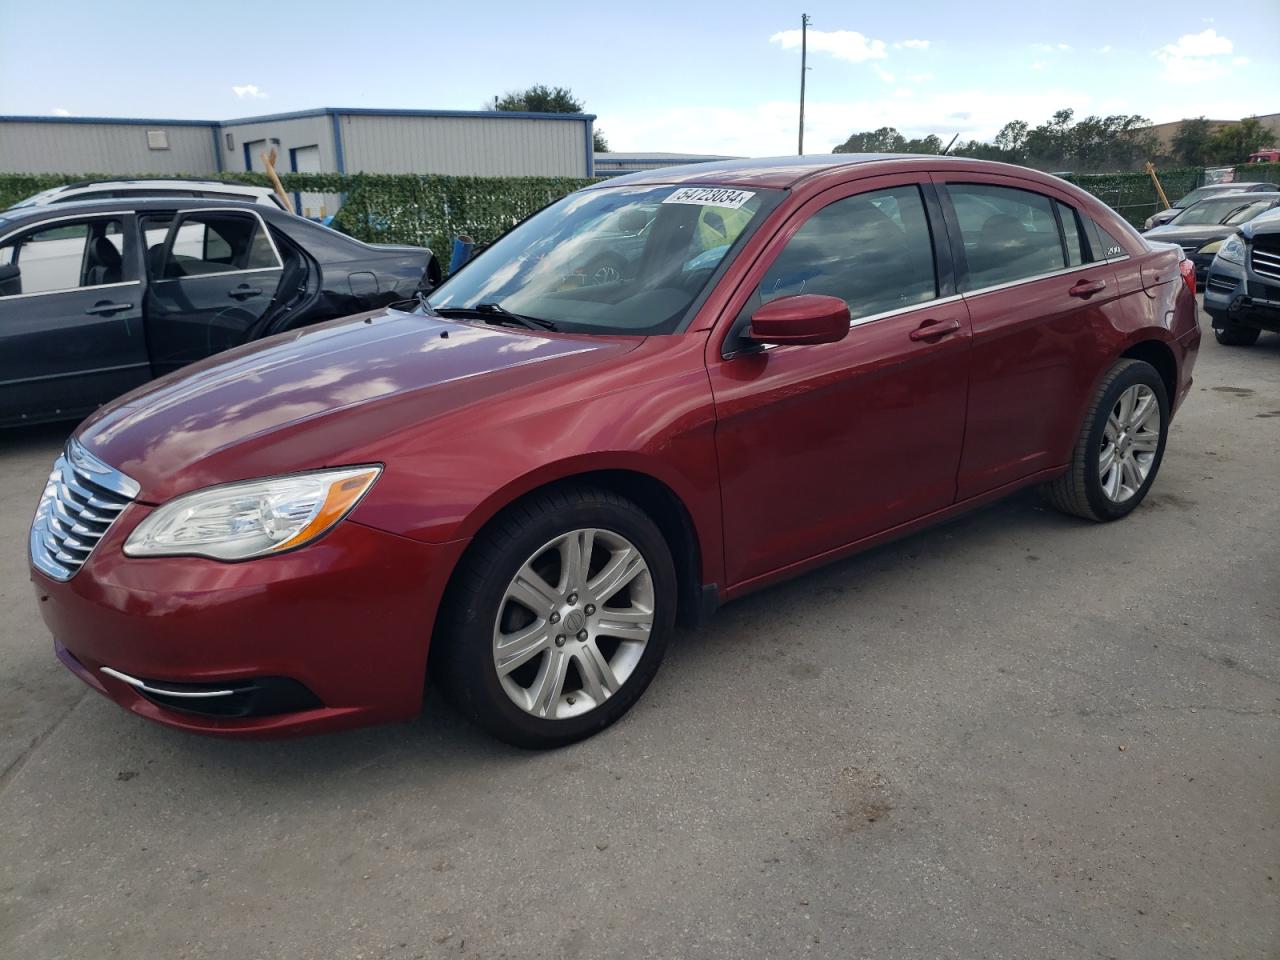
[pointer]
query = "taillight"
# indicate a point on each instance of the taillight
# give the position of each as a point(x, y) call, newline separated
point(1188, 270)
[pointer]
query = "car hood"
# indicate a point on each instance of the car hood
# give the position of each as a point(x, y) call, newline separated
point(313, 397)
point(1187, 235)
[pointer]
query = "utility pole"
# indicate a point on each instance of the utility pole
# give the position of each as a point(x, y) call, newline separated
point(804, 57)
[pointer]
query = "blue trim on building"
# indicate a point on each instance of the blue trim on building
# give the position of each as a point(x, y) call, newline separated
point(248, 160)
point(371, 112)
point(217, 147)
point(591, 151)
point(128, 121)
point(339, 156)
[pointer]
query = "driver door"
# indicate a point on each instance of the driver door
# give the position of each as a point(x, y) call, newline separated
point(823, 445)
point(213, 275)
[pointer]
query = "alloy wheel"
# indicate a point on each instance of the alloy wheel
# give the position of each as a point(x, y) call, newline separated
point(573, 623)
point(1130, 441)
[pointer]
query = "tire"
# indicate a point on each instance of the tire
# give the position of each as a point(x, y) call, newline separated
point(484, 617)
point(1236, 334)
point(1081, 491)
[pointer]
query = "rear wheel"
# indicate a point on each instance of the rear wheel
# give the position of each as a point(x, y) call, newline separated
point(1116, 459)
point(1236, 334)
point(558, 617)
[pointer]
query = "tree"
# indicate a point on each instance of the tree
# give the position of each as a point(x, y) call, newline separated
point(539, 98)
point(1012, 140)
point(598, 142)
point(888, 140)
point(1235, 141)
point(1190, 144)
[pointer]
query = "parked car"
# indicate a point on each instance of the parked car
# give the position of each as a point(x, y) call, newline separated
point(1267, 155)
point(1242, 292)
point(1203, 193)
point(133, 189)
point(98, 297)
point(1200, 229)
point(530, 480)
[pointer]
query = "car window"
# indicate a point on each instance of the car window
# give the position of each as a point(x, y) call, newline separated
point(1077, 252)
point(64, 257)
point(1008, 234)
point(207, 244)
point(1248, 212)
point(873, 251)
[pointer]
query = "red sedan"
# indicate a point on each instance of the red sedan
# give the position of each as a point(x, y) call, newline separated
point(519, 485)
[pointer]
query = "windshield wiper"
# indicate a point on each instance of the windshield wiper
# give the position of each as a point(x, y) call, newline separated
point(495, 313)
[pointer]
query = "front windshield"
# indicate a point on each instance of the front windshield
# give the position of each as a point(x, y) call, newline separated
point(1214, 211)
point(1247, 212)
point(1201, 193)
point(626, 259)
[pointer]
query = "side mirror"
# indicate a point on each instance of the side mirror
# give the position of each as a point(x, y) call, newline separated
point(806, 318)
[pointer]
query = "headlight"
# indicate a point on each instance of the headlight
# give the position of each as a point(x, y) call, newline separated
point(1149, 223)
point(1232, 249)
point(237, 521)
point(1211, 247)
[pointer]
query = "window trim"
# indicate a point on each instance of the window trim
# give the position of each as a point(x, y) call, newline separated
point(116, 214)
point(940, 247)
point(177, 219)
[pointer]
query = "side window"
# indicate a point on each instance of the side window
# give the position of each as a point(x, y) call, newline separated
point(64, 257)
point(1105, 245)
point(1008, 234)
point(1077, 254)
point(209, 243)
point(873, 251)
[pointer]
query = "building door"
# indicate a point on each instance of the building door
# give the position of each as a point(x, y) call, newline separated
point(307, 160)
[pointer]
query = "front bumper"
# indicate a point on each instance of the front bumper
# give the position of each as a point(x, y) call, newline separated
point(1233, 295)
point(346, 620)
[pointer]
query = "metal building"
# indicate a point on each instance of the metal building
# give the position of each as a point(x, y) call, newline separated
point(325, 140)
point(616, 164)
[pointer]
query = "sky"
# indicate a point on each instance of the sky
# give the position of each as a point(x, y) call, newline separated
point(660, 76)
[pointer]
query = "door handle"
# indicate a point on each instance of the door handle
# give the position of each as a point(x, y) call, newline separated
point(1087, 288)
point(932, 330)
point(244, 293)
point(106, 306)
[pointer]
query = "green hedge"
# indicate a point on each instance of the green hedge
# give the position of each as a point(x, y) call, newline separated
point(381, 208)
point(432, 210)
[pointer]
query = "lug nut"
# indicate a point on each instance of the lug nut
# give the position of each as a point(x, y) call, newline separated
point(591, 608)
point(555, 616)
point(572, 598)
point(559, 639)
point(582, 635)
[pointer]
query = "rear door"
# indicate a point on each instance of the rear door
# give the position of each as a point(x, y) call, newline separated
point(1038, 306)
point(71, 332)
point(213, 274)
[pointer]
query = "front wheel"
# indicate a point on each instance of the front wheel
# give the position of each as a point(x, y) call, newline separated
point(1236, 334)
point(557, 618)
point(1121, 444)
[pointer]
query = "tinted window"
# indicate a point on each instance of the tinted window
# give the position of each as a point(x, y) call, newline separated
point(1104, 244)
point(1008, 234)
point(1076, 250)
point(64, 257)
point(873, 251)
point(210, 243)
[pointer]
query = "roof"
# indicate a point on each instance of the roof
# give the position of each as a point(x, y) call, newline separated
point(73, 207)
point(784, 172)
point(297, 114)
point(622, 157)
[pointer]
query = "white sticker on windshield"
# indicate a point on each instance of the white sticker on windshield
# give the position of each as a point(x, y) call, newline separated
point(711, 196)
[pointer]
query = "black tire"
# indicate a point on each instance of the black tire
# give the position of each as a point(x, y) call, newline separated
point(1079, 491)
point(1236, 334)
point(462, 659)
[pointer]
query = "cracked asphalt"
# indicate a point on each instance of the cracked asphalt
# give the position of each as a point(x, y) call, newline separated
point(1016, 735)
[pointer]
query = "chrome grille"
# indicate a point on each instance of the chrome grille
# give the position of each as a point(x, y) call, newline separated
point(1266, 263)
point(81, 500)
point(1221, 284)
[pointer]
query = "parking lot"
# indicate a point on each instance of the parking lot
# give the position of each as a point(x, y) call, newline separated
point(1015, 735)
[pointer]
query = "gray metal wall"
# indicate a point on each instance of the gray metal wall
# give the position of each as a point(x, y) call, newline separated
point(119, 148)
point(466, 146)
point(293, 132)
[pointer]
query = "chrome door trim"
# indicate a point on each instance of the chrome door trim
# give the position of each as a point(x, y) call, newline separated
point(96, 286)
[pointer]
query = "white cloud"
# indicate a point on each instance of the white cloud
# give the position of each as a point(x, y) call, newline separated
point(1195, 57)
point(249, 92)
point(1038, 65)
point(912, 45)
point(1239, 61)
point(1106, 49)
point(1052, 47)
point(883, 74)
point(920, 77)
point(61, 112)
point(843, 44)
